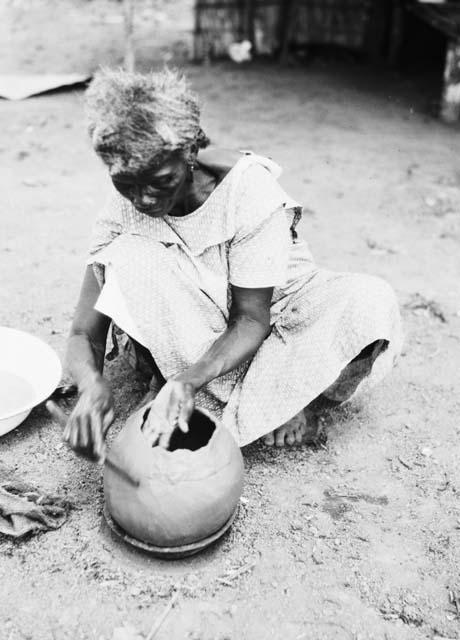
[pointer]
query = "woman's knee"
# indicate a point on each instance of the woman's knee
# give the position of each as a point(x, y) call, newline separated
point(372, 293)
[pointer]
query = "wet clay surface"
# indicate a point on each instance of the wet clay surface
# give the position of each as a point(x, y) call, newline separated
point(357, 539)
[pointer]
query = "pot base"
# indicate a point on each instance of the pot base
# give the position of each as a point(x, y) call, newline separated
point(168, 553)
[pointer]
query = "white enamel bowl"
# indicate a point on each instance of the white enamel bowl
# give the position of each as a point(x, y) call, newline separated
point(30, 371)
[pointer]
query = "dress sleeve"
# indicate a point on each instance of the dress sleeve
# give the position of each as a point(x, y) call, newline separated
point(107, 226)
point(259, 251)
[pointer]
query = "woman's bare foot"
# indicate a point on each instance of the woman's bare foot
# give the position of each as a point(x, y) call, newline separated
point(304, 427)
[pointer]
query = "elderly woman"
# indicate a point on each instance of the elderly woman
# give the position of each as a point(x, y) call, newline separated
point(196, 257)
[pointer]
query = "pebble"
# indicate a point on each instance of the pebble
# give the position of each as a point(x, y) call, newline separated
point(33, 182)
point(427, 452)
point(21, 155)
point(316, 557)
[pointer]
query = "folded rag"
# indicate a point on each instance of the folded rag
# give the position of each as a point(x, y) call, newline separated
point(24, 509)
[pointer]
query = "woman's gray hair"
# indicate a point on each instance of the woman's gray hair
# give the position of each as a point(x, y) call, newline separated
point(137, 120)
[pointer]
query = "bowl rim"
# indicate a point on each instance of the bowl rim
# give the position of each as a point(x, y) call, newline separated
point(172, 553)
point(53, 384)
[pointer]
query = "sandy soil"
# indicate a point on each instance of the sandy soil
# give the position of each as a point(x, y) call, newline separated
point(358, 539)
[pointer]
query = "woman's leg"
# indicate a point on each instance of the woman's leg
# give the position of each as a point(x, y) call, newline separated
point(305, 426)
point(350, 378)
point(140, 359)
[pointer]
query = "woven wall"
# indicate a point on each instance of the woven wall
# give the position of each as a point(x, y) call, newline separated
point(221, 22)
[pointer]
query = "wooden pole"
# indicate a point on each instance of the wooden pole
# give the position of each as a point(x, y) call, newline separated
point(129, 58)
point(396, 32)
point(377, 28)
point(450, 105)
point(249, 28)
point(197, 34)
point(286, 19)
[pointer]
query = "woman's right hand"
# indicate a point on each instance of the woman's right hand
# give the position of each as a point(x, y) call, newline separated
point(90, 419)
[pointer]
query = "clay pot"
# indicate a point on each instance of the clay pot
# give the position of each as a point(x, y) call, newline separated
point(186, 493)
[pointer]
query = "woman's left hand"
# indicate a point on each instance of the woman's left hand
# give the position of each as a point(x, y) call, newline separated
point(171, 409)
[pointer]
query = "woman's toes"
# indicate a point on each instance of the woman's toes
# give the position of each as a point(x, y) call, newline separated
point(290, 433)
point(299, 433)
point(269, 439)
point(280, 436)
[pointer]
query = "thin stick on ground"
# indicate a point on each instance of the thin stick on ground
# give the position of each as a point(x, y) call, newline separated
point(159, 622)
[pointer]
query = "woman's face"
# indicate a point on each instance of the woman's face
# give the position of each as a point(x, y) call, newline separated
point(155, 191)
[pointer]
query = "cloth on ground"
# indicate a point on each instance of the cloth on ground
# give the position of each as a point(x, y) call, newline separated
point(24, 509)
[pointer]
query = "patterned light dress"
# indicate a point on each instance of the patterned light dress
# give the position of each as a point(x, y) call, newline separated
point(166, 282)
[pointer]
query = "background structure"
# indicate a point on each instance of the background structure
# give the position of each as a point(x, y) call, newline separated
point(359, 539)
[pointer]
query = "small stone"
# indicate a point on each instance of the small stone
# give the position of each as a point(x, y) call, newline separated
point(33, 182)
point(427, 452)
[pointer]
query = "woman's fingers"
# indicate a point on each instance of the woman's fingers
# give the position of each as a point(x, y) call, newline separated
point(157, 429)
point(97, 440)
point(109, 417)
point(79, 433)
point(74, 431)
point(85, 429)
point(171, 409)
point(163, 440)
point(151, 428)
point(65, 421)
point(280, 435)
point(183, 425)
point(84, 434)
point(186, 408)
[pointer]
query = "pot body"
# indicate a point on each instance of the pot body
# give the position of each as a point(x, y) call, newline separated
point(183, 496)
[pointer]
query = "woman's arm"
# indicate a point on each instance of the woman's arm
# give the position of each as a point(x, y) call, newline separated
point(93, 414)
point(248, 326)
point(88, 335)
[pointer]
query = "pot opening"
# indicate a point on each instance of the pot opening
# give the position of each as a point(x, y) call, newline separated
point(199, 434)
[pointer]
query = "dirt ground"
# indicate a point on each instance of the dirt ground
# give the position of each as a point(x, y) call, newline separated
point(357, 539)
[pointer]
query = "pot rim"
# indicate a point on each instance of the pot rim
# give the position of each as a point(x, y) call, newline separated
point(173, 473)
